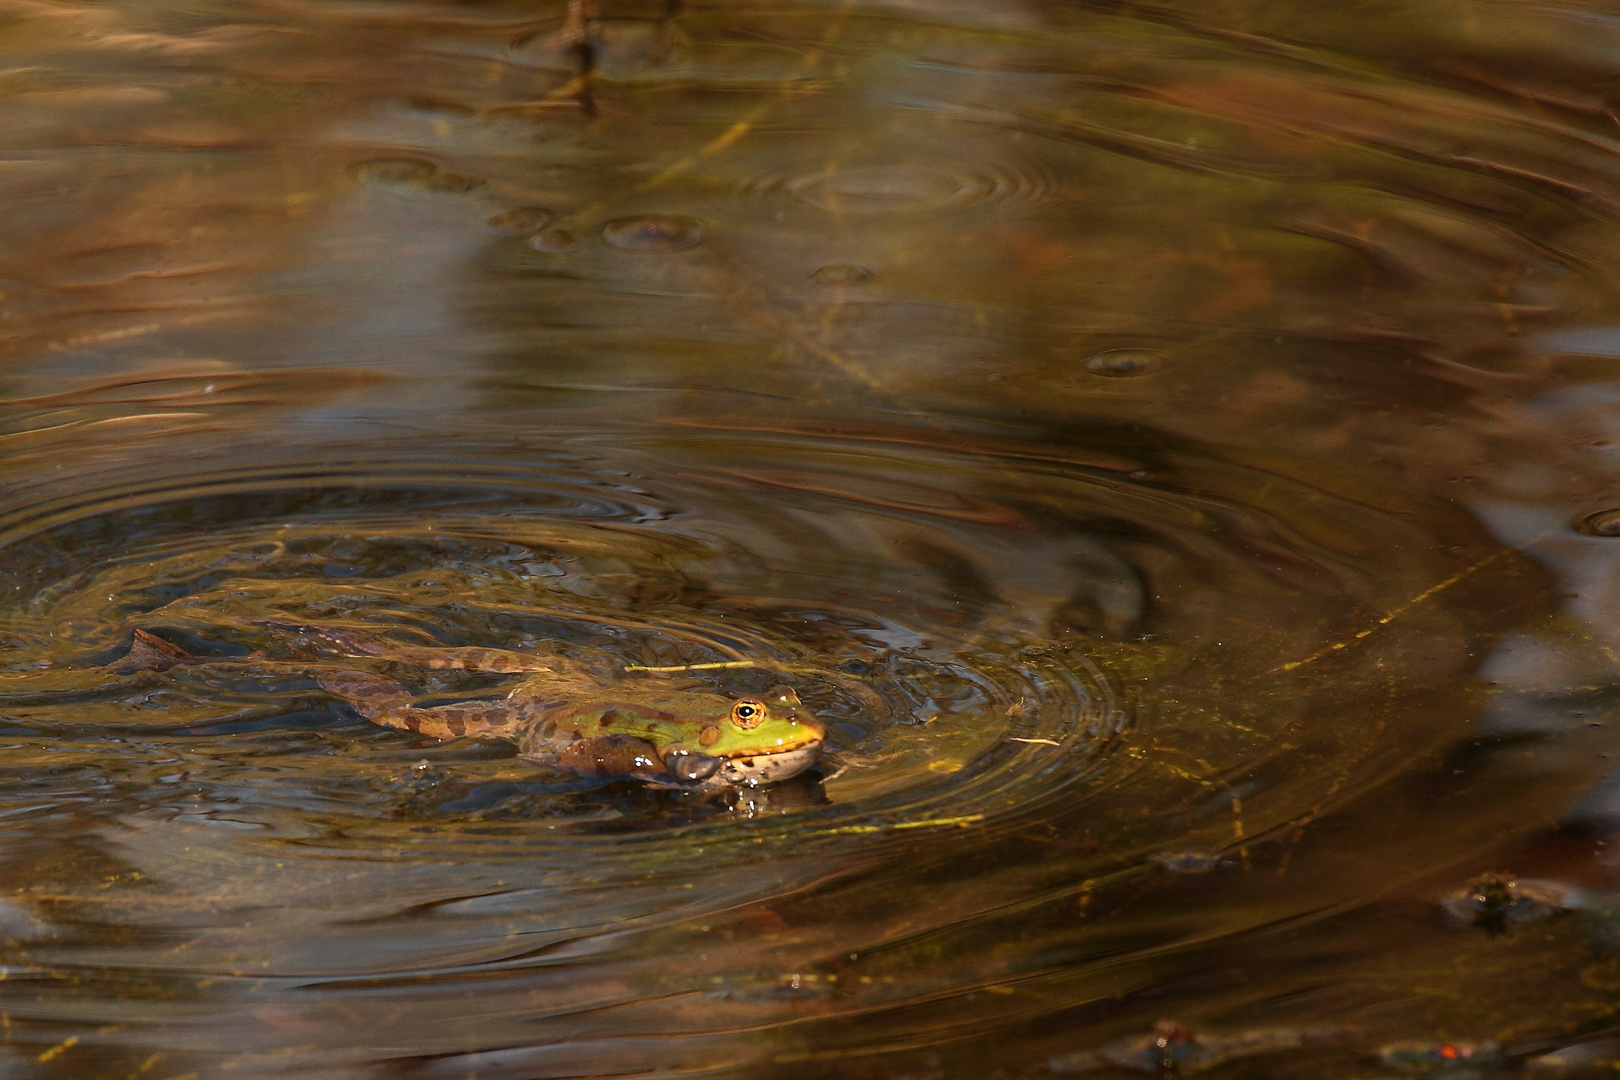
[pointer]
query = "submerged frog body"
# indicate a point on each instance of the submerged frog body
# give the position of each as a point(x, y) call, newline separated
point(561, 717)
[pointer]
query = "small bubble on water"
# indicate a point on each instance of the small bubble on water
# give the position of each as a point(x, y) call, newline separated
point(1496, 901)
point(1124, 363)
point(652, 232)
point(411, 176)
point(394, 174)
point(841, 274)
point(553, 242)
point(1602, 523)
point(519, 222)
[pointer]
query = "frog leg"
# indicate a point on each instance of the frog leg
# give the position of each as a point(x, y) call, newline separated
point(431, 657)
point(385, 701)
point(148, 652)
point(516, 718)
point(471, 658)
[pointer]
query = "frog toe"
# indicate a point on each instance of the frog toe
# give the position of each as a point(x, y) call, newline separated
point(688, 767)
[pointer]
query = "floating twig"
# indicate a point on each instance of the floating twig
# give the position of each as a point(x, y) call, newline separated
point(694, 667)
point(582, 35)
point(1361, 635)
point(847, 830)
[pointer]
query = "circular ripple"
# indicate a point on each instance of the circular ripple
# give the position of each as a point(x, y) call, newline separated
point(841, 274)
point(1000, 173)
point(653, 232)
point(1602, 523)
point(531, 555)
point(521, 221)
point(963, 609)
point(1125, 363)
point(882, 189)
point(411, 176)
point(958, 652)
point(553, 242)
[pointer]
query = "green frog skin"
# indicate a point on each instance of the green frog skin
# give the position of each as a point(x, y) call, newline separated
point(557, 716)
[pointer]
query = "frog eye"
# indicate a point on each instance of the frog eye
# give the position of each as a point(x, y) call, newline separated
point(748, 713)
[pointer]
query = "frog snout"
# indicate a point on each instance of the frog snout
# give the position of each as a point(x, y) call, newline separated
point(815, 728)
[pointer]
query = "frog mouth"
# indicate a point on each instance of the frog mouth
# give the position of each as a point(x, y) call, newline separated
point(741, 768)
point(750, 770)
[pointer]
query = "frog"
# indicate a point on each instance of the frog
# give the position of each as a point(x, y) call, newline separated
point(559, 714)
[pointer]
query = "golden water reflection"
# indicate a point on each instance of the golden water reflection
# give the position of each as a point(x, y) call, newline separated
point(1169, 444)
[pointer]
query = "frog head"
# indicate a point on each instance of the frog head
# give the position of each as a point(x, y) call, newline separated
point(762, 739)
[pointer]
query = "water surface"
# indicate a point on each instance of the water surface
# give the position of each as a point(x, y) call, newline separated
point(1171, 445)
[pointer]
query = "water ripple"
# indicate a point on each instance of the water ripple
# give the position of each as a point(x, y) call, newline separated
point(552, 553)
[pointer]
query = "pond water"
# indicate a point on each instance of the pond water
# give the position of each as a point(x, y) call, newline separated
point(1175, 448)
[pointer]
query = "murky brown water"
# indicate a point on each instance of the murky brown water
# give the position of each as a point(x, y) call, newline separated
point(1169, 444)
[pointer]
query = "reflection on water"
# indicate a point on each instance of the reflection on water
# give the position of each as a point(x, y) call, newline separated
point(1171, 446)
